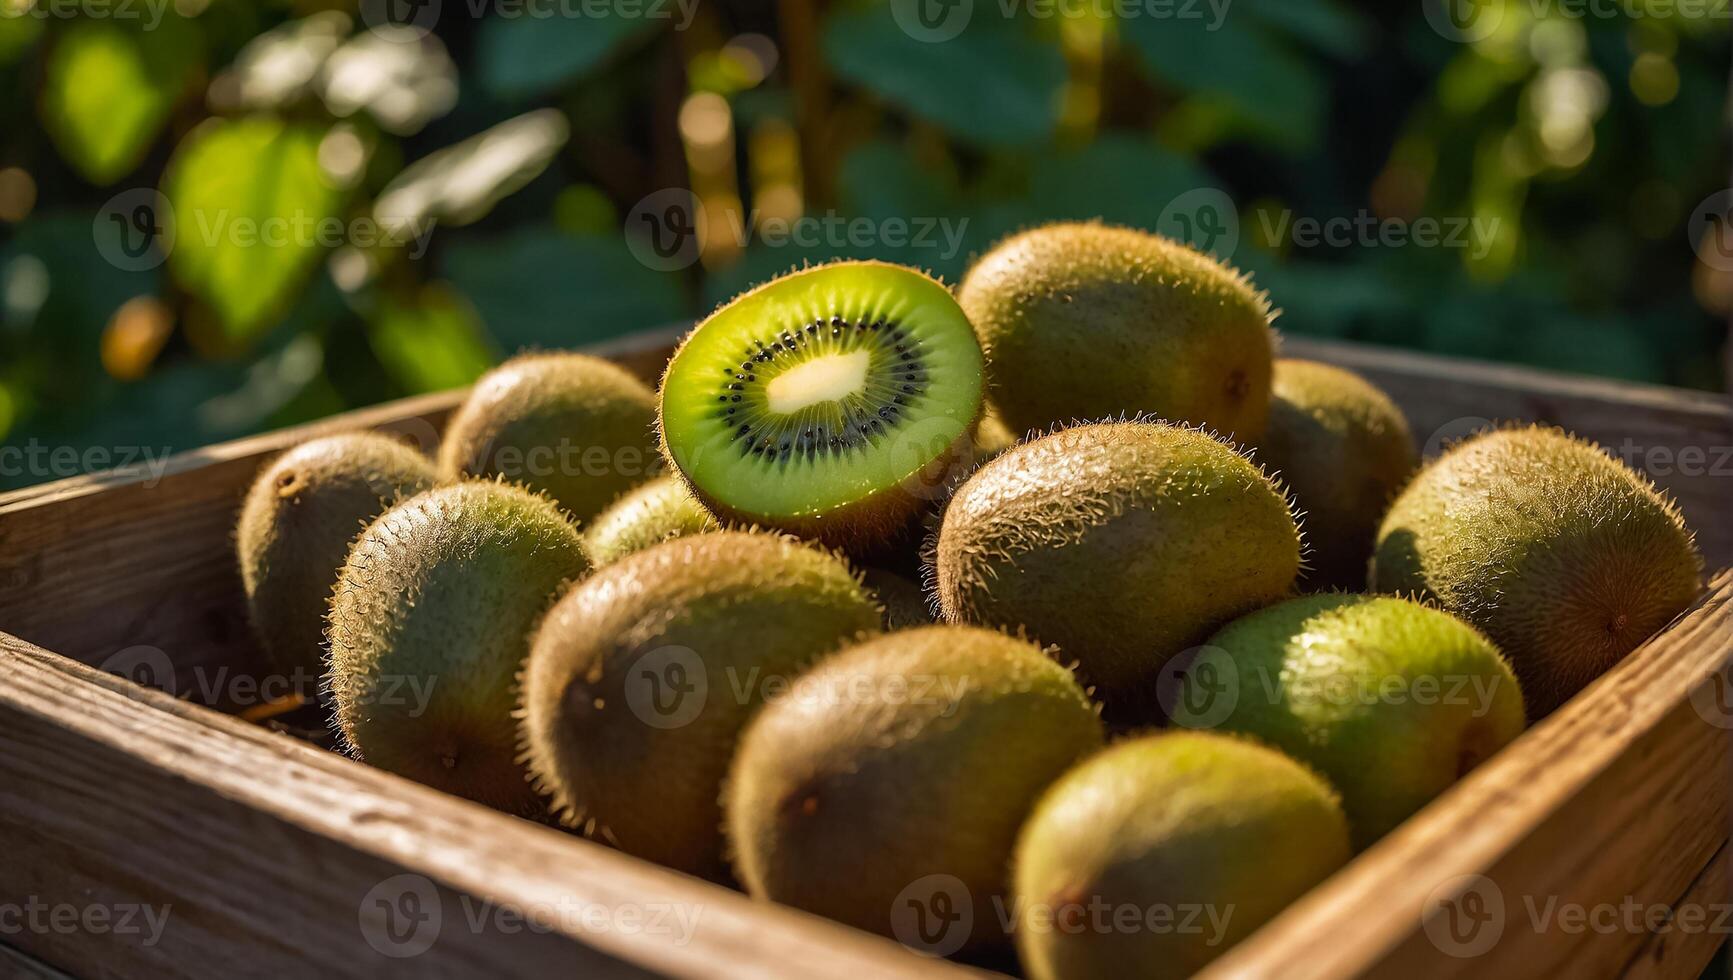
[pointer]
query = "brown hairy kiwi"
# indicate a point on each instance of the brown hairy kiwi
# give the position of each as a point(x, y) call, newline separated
point(640, 679)
point(430, 622)
point(1123, 543)
point(901, 767)
point(1343, 449)
point(1090, 321)
point(304, 510)
point(575, 427)
point(650, 514)
point(1565, 557)
point(1213, 828)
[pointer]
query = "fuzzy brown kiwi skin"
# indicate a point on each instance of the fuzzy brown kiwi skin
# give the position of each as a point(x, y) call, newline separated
point(870, 528)
point(429, 624)
point(1122, 543)
point(299, 518)
point(1564, 556)
point(535, 402)
point(612, 722)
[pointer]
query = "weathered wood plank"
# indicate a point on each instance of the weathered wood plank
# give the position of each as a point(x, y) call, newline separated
point(1621, 796)
point(259, 853)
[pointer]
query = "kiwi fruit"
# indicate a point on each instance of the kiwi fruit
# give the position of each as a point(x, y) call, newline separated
point(1565, 557)
point(901, 598)
point(900, 768)
point(1087, 321)
point(1391, 700)
point(650, 514)
point(834, 403)
point(1343, 449)
point(1123, 543)
point(295, 528)
point(430, 623)
point(576, 427)
point(639, 681)
point(1214, 835)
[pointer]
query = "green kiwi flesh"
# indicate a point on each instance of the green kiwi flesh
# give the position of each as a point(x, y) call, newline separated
point(907, 761)
point(1210, 829)
point(1565, 557)
point(1122, 543)
point(430, 623)
point(1390, 700)
point(640, 680)
point(1087, 321)
point(822, 402)
point(576, 427)
point(298, 520)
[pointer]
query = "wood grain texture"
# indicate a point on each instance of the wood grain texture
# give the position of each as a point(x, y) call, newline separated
point(271, 857)
point(1621, 796)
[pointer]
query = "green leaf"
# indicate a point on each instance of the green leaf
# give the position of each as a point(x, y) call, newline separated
point(430, 342)
point(107, 91)
point(1326, 25)
point(520, 57)
point(252, 214)
point(17, 34)
point(1274, 91)
point(543, 288)
point(1093, 182)
point(990, 84)
point(461, 183)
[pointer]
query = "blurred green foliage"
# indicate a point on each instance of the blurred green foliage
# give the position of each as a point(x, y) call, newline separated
point(343, 209)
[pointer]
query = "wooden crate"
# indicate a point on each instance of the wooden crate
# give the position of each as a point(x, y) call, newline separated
point(277, 858)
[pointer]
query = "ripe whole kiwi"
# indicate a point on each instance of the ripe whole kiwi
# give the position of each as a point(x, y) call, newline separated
point(1122, 543)
point(900, 768)
point(649, 514)
point(576, 427)
point(298, 520)
point(639, 681)
point(429, 625)
point(1565, 557)
point(1089, 321)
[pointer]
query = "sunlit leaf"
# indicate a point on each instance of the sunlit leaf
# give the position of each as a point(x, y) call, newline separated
point(280, 65)
point(402, 79)
point(518, 57)
point(253, 212)
point(461, 183)
point(107, 91)
point(1239, 62)
point(543, 288)
point(430, 342)
point(990, 84)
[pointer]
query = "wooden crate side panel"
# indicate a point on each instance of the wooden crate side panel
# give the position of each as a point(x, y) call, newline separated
point(1621, 795)
point(267, 852)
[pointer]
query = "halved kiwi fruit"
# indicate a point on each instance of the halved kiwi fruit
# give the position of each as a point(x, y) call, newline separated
point(832, 402)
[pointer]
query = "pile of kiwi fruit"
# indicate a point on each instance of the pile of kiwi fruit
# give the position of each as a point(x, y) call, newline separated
point(997, 619)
